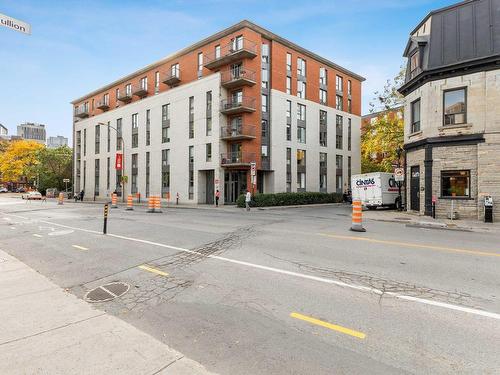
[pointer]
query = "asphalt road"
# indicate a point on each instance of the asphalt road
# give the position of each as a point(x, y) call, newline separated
point(289, 291)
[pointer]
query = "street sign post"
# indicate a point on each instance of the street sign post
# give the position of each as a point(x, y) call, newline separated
point(66, 180)
point(399, 174)
point(14, 24)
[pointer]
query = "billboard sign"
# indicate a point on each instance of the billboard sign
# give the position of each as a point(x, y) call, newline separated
point(14, 24)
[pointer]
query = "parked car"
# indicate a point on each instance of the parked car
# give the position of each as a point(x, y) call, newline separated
point(32, 195)
point(52, 192)
point(20, 190)
point(4, 190)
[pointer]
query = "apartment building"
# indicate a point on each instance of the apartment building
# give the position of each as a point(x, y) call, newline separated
point(32, 132)
point(206, 117)
point(57, 141)
point(452, 111)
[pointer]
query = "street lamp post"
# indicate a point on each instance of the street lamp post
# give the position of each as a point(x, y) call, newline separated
point(123, 181)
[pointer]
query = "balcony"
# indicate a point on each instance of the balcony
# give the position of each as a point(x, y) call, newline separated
point(103, 104)
point(125, 97)
point(233, 78)
point(234, 51)
point(172, 78)
point(140, 90)
point(82, 111)
point(237, 159)
point(238, 132)
point(237, 106)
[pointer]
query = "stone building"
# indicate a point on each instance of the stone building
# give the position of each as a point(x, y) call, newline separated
point(452, 110)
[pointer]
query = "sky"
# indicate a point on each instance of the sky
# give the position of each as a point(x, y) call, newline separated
point(79, 46)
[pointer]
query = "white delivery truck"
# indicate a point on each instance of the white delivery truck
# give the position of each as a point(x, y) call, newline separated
point(378, 189)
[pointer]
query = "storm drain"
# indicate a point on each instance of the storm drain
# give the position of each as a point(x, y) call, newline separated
point(107, 292)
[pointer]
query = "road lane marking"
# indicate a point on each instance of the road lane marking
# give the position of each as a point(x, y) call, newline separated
point(409, 244)
point(334, 327)
point(448, 306)
point(79, 247)
point(153, 270)
point(37, 235)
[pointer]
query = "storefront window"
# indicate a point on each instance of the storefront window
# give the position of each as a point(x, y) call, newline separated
point(455, 184)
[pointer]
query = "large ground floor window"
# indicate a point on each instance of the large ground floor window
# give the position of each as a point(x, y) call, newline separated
point(455, 184)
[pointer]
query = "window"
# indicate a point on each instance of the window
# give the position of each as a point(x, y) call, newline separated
point(455, 106)
point(191, 173)
point(191, 117)
point(349, 134)
point(117, 95)
point(339, 102)
point(301, 174)
point(165, 171)
point(339, 130)
point(323, 96)
point(92, 104)
point(322, 171)
point(157, 82)
point(414, 64)
point(323, 128)
point(165, 158)
point(148, 127)
point(217, 51)
point(237, 43)
point(289, 85)
point(165, 123)
point(301, 112)
point(134, 174)
point(349, 87)
point(209, 114)
point(301, 134)
point(301, 67)
point(349, 105)
point(265, 53)
point(289, 62)
point(264, 103)
point(339, 84)
point(144, 83)
point(301, 89)
point(265, 78)
point(84, 142)
point(119, 134)
point(84, 173)
point(109, 138)
point(148, 168)
point(288, 120)
point(415, 116)
point(349, 172)
point(200, 64)
point(301, 181)
point(455, 184)
point(96, 178)
point(108, 168)
point(208, 152)
point(128, 89)
point(339, 162)
point(106, 99)
point(175, 70)
point(135, 131)
point(263, 128)
point(323, 78)
point(288, 109)
point(97, 139)
point(288, 170)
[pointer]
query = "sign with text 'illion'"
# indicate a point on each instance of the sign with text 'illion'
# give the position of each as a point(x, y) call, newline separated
point(119, 162)
point(14, 24)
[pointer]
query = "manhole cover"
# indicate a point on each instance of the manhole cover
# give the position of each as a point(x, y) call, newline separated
point(107, 292)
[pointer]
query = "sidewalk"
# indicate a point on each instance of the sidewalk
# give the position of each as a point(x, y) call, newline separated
point(414, 219)
point(44, 330)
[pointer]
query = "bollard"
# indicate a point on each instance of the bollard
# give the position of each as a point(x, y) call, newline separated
point(105, 224)
point(177, 199)
point(151, 203)
point(60, 200)
point(114, 199)
point(129, 203)
point(357, 217)
point(158, 204)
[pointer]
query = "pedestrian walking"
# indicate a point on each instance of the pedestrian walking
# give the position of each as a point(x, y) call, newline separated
point(217, 196)
point(248, 198)
point(82, 193)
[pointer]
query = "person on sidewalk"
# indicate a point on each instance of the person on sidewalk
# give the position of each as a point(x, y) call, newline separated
point(82, 193)
point(248, 199)
point(217, 196)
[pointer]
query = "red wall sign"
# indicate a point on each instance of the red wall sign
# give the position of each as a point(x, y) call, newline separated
point(119, 162)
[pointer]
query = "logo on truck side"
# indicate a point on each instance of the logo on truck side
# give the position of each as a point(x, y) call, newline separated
point(368, 181)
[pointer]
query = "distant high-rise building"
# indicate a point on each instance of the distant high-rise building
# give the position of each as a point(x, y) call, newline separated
point(32, 131)
point(59, 141)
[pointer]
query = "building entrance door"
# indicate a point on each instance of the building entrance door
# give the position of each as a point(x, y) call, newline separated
point(235, 183)
point(210, 193)
point(415, 188)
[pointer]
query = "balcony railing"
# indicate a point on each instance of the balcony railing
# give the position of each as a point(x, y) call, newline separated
point(125, 96)
point(237, 159)
point(103, 104)
point(237, 132)
point(234, 106)
point(81, 111)
point(232, 78)
point(140, 90)
point(234, 51)
point(172, 78)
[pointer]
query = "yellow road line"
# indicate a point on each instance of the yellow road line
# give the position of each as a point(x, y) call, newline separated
point(79, 247)
point(153, 270)
point(418, 246)
point(347, 331)
point(37, 235)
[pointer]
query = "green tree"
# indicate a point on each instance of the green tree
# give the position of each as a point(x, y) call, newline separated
point(54, 166)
